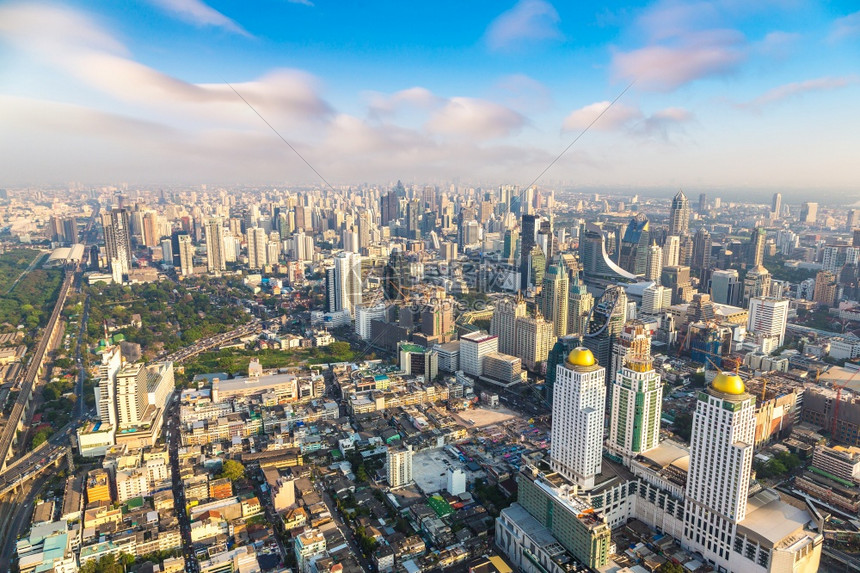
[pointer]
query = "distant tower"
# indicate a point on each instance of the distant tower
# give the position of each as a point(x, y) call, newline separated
point(809, 213)
point(257, 251)
point(679, 215)
point(215, 259)
point(186, 255)
point(579, 304)
point(117, 233)
point(633, 340)
point(654, 264)
point(578, 408)
point(776, 206)
point(721, 454)
point(504, 323)
point(703, 203)
point(756, 247)
point(671, 251)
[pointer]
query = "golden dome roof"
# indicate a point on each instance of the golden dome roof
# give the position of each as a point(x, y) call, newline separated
point(728, 383)
point(581, 356)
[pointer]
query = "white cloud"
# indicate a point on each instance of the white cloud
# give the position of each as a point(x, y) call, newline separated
point(475, 118)
point(799, 88)
point(524, 93)
point(683, 43)
point(389, 104)
point(200, 14)
point(628, 119)
point(615, 117)
point(846, 27)
point(527, 21)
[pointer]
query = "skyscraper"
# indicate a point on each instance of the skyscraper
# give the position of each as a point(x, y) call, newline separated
point(633, 340)
point(579, 304)
point(824, 292)
point(637, 397)
point(671, 251)
point(215, 257)
point(345, 284)
point(535, 336)
point(578, 408)
point(767, 321)
point(554, 298)
point(504, 323)
point(703, 203)
point(131, 398)
point(756, 247)
point(701, 260)
point(399, 466)
point(654, 263)
point(634, 246)
point(776, 206)
point(756, 283)
point(809, 213)
point(257, 249)
point(721, 454)
point(725, 287)
point(677, 278)
point(679, 215)
point(528, 238)
point(186, 255)
point(117, 240)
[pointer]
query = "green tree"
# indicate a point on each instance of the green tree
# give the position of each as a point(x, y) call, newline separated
point(232, 470)
point(670, 567)
point(683, 425)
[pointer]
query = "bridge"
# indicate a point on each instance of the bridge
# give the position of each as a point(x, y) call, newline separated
point(206, 344)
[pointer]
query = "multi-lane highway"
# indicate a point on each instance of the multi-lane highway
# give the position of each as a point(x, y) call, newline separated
point(214, 341)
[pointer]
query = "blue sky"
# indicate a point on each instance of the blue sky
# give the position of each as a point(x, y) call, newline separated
point(725, 95)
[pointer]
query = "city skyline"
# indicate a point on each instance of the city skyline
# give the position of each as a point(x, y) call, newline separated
point(725, 96)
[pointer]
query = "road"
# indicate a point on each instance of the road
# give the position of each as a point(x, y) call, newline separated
point(345, 530)
point(19, 510)
point(213, 341)
point(173, 443)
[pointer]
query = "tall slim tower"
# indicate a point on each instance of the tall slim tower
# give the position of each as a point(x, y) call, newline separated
point(504, 323)
point(654, 264)
point(554, 298)
point(578, 405)
point(131, 398)
point(776, 206)
point(637, 397)
point(721, 454)
point(633, 341)
point(257, 240)
point(347, 282)
point(117, 240)
point(579, 304)
point(528, 238)
point(535, 337)
point(679, 215)
point(215, 258)
point(186, 255)
point(671, 251)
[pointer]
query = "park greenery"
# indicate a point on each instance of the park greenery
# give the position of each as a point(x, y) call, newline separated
point(171, 315)
point(779, 465)
point(108, 564)
point(683, 425)
point(29, 302)
point(234, 361)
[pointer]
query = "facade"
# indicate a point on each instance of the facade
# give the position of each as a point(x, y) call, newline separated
point(725, 287)
point(344, 283)
point(655, 299)
point(637, 398)
point(554, 298)
point(215, 257)
point(117, 232)
point(504, 323)
point(578, 408)
point(633, 254)
point(186, 255)
point(672, 251)
point(398, 466)
point(720, 464)
point(131, 395)
point(535, 337)
point(257, 250)
point(502, 368)
point(679, 215)
point(654, 263)
point(579, 304)
point(473, 347)
point(767, 320)
point(634, 340)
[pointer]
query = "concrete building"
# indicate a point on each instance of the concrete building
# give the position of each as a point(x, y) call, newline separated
point(473, 347)
point(215, 257)
point(504, 322)
point(767, 321)
point(679, 215)
point(637, 398)
point(343, 283)
point(456, 481)
point(186, 255)
point(725, 287)
point(502, 369)
point(720, 464)
point(257, 249)
point(578, 408)
point(554, 298)
point(398, 466)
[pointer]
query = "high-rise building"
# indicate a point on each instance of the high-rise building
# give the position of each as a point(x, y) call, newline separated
point(677, 278)
point(825, 289)
point(215, 257)
point(579, 304)
point(776, 206)
point(703, 203)
point(344, 283)
point(767, 320)
point(528, 238)
point(701, 259)
point(679, 215)
point(756, 247)
point(257, 247)
point(186, 255)
point(756, 283)
point(535, 336)
point(721, 454)
point(131, 395)
point(473, 348)
point(167, 252)
point(725, 287)
point(637, 397)
point(656, 299)
point(633, 255)
point(504, 323)
point(117, 233)
point(554, 298)
point(809, 213)
point(852, 220)
point(654, 263)
point(151, 231)
point(633, 340)
point(671, 251)
point(597, 265)
point(578, 407)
